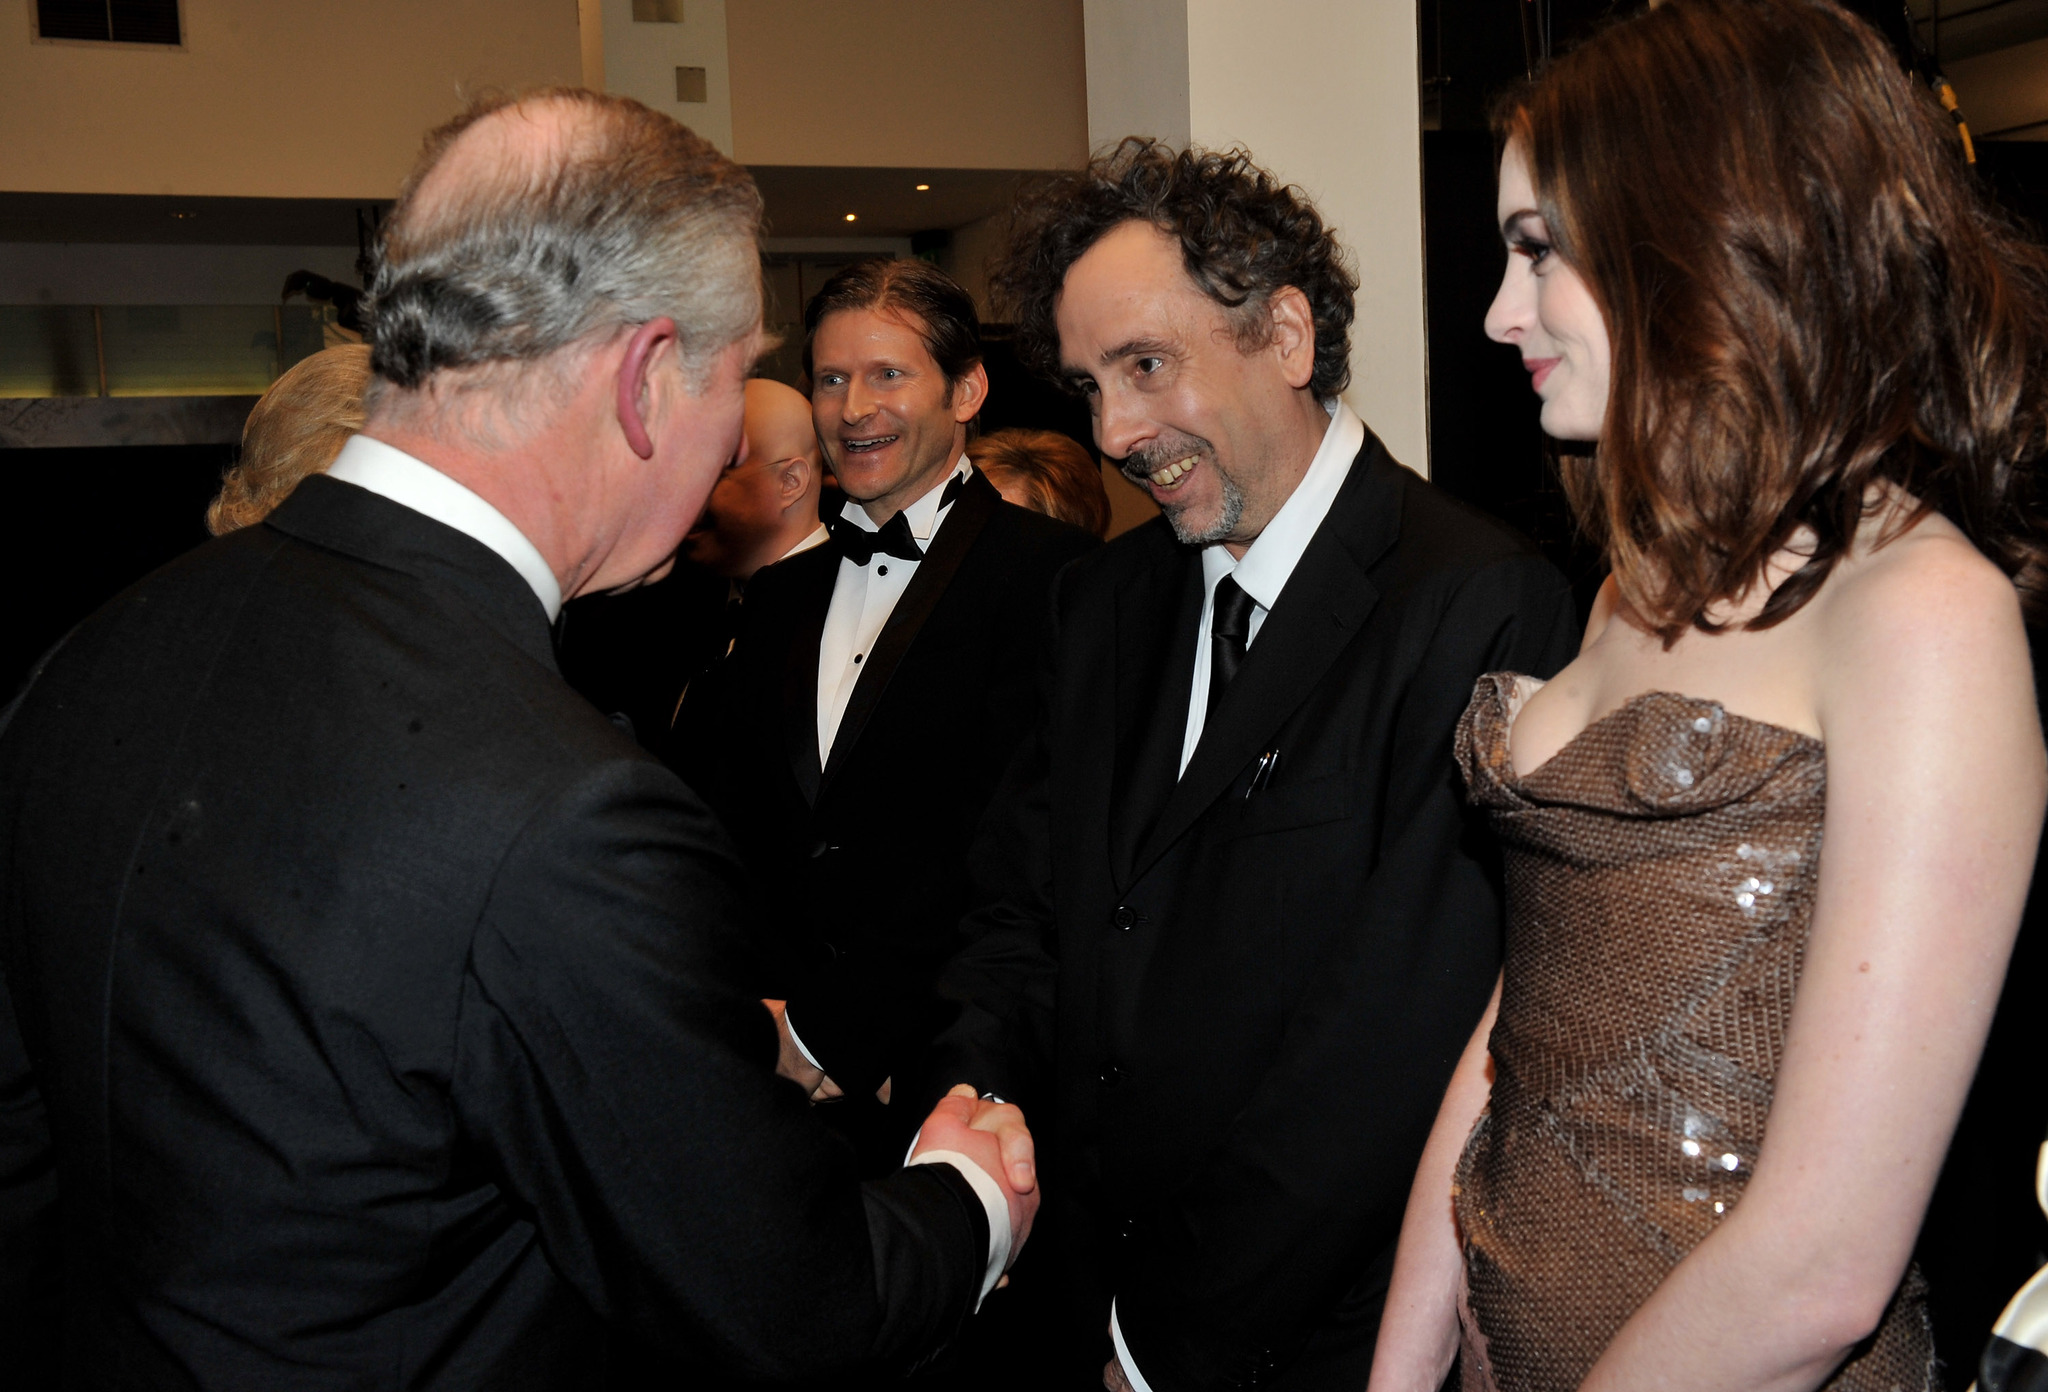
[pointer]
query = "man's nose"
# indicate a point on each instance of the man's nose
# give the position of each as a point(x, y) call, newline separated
point(858, 403)
point(1120, 427)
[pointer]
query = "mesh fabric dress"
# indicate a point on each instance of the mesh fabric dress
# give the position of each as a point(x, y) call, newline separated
point(1660, 876)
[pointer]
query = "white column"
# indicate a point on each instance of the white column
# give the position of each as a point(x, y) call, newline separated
point(1323, 93)
point(640, 59)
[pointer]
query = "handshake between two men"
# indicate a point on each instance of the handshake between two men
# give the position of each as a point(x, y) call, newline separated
point(989, 1133)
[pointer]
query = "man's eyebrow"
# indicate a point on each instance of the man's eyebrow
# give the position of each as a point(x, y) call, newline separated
point(1132, 348)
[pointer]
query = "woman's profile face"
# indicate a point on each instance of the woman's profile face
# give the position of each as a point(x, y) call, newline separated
point(1547, 312)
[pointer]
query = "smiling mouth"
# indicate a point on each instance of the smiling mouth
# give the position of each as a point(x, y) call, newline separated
point(1539, 370)
point(871, 442)
point(1170, 476)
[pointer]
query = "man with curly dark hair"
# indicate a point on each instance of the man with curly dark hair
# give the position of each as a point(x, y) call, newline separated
point(1236, 923)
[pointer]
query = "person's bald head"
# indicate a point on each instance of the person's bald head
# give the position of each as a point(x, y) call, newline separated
point(767, 503)
point(536, 227)
point(779, 422)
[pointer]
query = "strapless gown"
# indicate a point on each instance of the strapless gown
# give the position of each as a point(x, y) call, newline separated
point(1660, 886)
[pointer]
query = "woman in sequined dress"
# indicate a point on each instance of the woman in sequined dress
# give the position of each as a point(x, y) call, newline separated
point(1692, 1142)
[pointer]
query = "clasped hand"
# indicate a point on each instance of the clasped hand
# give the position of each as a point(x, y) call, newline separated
point(993, 1136)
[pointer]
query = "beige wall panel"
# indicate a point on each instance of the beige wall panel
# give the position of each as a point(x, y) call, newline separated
point(2006, 92)
point(943, 84)
point(1323, 92)
point(267, 98)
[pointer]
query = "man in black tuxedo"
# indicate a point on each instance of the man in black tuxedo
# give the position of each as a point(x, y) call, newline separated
point(1237, 920)
point(373, 1008)
point(876, 692)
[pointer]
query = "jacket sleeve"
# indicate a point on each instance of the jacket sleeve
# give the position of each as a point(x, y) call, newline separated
point(1233, 1265)
point(30, 1271)
point(998, 989)
point(617, 1079)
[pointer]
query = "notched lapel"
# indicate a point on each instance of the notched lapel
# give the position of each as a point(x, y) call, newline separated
point(1324, 606)
point(1156, 618)
point(970, 513)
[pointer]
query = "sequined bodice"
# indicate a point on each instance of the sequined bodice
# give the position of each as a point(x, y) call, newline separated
point(1660, 880)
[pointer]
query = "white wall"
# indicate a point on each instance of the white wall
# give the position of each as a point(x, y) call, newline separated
point(1137, 70)
point(640, 61)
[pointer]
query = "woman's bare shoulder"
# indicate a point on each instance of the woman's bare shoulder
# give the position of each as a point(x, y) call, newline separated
point(1924, 612)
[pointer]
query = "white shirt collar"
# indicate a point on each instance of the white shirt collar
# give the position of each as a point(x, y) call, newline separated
point(922, 516)
point(414, 483)
point(818, 537)
point(1267, 563)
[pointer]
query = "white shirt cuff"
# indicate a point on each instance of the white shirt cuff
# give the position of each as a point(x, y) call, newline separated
point(998, 1215)
point(798, 1040)
point(1123, 1354)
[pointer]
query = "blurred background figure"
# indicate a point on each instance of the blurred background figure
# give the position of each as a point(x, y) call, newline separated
point(1047, 472)
point(296, 429)
point(635, 652)
point(764, 509)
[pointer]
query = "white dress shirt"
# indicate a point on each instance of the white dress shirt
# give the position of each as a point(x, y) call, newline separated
point(1267, 563)
point(1262, 572)
point(862, 600)
point(394, 474)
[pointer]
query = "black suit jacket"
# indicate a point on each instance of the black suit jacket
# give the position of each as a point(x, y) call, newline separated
point(378, 1012)
point(1247, 1001)
point(863, 860)
point(634, 653)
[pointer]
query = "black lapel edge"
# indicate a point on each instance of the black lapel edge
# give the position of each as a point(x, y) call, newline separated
point(970, 513)
point(800, 673)
point(1155, 669)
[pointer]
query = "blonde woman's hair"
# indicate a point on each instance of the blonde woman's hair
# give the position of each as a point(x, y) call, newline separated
point(296, 429)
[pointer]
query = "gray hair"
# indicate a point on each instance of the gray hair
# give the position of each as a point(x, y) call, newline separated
point(622, 216)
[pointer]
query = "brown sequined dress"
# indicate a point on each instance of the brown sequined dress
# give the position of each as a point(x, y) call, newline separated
point(1660, 877)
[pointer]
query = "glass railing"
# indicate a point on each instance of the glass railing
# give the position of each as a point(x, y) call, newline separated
point(155, 350)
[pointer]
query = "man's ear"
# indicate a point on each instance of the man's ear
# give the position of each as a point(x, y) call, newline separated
point(636, 382)
point(1294, 334)
point(970, 394)
point(793, 479)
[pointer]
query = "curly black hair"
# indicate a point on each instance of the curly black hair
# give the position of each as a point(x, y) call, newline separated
point(1243, 233)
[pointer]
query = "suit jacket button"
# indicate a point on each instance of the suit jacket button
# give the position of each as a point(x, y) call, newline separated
point(1112, 1074)
point(1124, 917)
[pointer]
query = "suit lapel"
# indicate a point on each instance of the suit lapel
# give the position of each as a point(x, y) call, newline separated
point(800, 666)
point(1325, 603)
point(970, 513)
point(1156, 619)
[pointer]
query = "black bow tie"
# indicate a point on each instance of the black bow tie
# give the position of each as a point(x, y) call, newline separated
point(859, 545)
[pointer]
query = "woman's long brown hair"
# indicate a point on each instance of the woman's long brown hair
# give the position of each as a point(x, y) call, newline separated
point(1806, 294)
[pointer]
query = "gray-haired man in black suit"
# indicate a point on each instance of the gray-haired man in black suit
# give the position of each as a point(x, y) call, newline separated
point(371, 1003)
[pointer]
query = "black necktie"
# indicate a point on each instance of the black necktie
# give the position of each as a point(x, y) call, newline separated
point(1228, 633)
point(859, 545)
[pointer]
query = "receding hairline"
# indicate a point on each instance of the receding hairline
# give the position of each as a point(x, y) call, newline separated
point(504, 150)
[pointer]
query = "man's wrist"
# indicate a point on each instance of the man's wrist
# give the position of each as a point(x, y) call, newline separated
point(997, 1204)
point(1123, 1354)
point(789, 1023)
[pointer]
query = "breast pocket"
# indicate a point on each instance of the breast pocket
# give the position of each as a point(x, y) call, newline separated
point(1332, 798)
